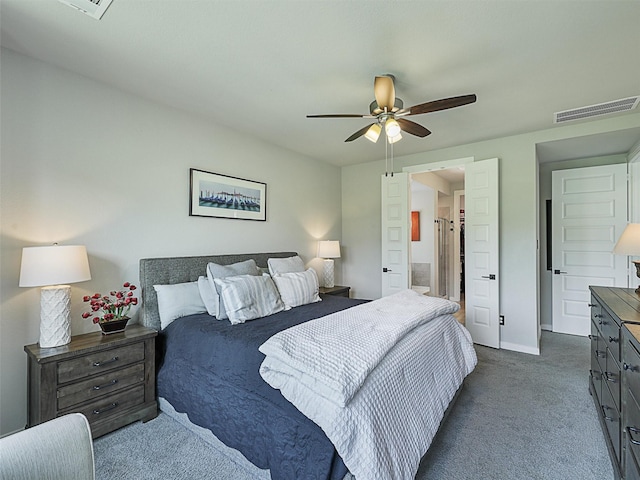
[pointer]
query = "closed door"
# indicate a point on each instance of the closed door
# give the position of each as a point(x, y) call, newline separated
point(589, 208)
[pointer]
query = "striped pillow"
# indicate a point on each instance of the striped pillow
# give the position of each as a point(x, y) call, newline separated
point(247, 297)
point(297, 288)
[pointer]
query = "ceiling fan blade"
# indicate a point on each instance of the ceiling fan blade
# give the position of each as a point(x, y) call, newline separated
point(340, 115)
point(359, 133)
point(412, 127)
point(443, 104)
point(384, 92)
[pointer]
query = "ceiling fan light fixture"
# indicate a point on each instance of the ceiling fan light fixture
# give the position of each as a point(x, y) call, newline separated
point(395, 138)
point(392, 128)
point(373, 133)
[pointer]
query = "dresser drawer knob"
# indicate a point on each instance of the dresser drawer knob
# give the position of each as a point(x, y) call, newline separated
point(629, 368)
point(98, 411)
point(100, 387)
point(610, 377)
point(592, 304)
point(105, 362)
point(631, 430)
point(593, 337)
point(613, 340)
point(600, 354)
point(597, 315)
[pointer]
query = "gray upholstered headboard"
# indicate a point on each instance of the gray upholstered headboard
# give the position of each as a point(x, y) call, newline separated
point(167, 271)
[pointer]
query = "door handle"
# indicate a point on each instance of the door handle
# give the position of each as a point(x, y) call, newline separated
point(558, 272)
point(490, 277)
point(385, 270)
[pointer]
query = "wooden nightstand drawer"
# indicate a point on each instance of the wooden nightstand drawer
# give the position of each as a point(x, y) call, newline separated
point(101, 385)
point(96, 363)
point(111, 405)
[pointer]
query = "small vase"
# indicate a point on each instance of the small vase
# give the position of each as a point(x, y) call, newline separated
point(114, 326)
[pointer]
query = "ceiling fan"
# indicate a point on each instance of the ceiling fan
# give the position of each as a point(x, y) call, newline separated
point(389, 112)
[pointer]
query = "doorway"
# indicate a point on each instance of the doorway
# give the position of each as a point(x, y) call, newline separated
point(481, 241)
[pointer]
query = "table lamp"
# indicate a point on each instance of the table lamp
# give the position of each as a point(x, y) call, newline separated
point(629, 244)
point(328, 249)
point(49, 267)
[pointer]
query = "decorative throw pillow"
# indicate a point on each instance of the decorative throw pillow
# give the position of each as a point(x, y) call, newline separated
point(247, 297)
point(214, 270)
point(178, 300)
point(208, 295)
point(285, 265)
point(298, 288)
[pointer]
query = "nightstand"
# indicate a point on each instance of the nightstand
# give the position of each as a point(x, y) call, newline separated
point(108, 378)
point(337, 290)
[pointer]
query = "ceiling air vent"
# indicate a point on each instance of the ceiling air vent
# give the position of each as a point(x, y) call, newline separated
point(616, 106)
point(93, 8)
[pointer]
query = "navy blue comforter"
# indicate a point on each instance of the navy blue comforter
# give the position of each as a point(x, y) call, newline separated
point(210, 370)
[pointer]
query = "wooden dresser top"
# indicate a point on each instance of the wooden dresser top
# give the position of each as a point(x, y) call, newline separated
point(623, 303)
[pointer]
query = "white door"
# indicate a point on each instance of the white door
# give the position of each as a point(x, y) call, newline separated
point(482, 260)
point(395, 233)
point(589, 208)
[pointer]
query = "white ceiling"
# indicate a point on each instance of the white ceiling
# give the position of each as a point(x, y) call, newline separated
point(260, 66)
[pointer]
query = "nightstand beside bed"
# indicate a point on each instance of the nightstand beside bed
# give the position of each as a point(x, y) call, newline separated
point(108, 378)
point(337, 290)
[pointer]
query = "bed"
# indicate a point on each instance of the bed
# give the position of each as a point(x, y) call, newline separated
point(215, 373)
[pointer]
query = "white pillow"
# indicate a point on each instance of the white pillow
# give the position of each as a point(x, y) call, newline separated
point(285, 265)
point(207, 294)
point(247, 297)
point(214, 270)
point(178, 300)
point(298, 288)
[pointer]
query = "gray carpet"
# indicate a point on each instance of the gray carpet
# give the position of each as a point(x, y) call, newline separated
point(518, 417)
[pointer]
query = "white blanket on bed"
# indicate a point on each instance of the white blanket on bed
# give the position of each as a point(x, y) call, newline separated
point(334, 354)
point(402, 368)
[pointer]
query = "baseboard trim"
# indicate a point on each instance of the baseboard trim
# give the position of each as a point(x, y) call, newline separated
point(515, 347)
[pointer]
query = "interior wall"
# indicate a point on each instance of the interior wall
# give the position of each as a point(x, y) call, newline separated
point(84, 163)
point(546, 277)
point(361, 210)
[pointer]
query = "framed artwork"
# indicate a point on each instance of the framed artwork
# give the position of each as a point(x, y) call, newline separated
point(415, 226)
point(222, 196)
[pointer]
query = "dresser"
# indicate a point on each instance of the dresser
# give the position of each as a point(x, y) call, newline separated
point(108, 378)
point(611, 307)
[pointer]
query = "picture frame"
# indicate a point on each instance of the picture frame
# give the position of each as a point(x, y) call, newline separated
point(222, 196)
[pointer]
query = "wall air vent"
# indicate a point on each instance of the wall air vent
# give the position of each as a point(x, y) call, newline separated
point(93, 8)
point(616, 106)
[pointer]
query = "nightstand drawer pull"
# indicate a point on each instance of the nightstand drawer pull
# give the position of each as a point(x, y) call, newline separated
point(604, 414)
point(631, 439)
point(106, 362)
point(610, 377)
point(600, 354)
point(98, 411)
point(100, 387)
point(613, 340)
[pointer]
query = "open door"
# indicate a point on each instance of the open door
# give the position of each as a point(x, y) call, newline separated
point(482, 252)
point(395, 233)
point(589, 214)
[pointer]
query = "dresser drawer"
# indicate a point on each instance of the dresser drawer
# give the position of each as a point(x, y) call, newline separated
point(631, 471)
point(100, 385)
point(631, 427)
point(111, 405)
point(612, 379)
point(631, 369)
point(611, 334)
point(99, 362)
point(611, 417)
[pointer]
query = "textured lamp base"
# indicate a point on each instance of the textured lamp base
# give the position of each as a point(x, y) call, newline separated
point(328, 273)
point(637, 265)
point(55, 316)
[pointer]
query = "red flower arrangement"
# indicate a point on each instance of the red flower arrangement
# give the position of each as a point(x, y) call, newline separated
point(114, 306)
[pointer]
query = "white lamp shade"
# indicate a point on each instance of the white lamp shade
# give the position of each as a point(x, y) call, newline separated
point(373, 133)
point(54, 265)
point(392, 128)
point(329, 249)
point(629, 241)
point(394, 139)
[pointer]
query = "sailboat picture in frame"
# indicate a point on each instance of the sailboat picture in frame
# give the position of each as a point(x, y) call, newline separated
point(223, 196)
